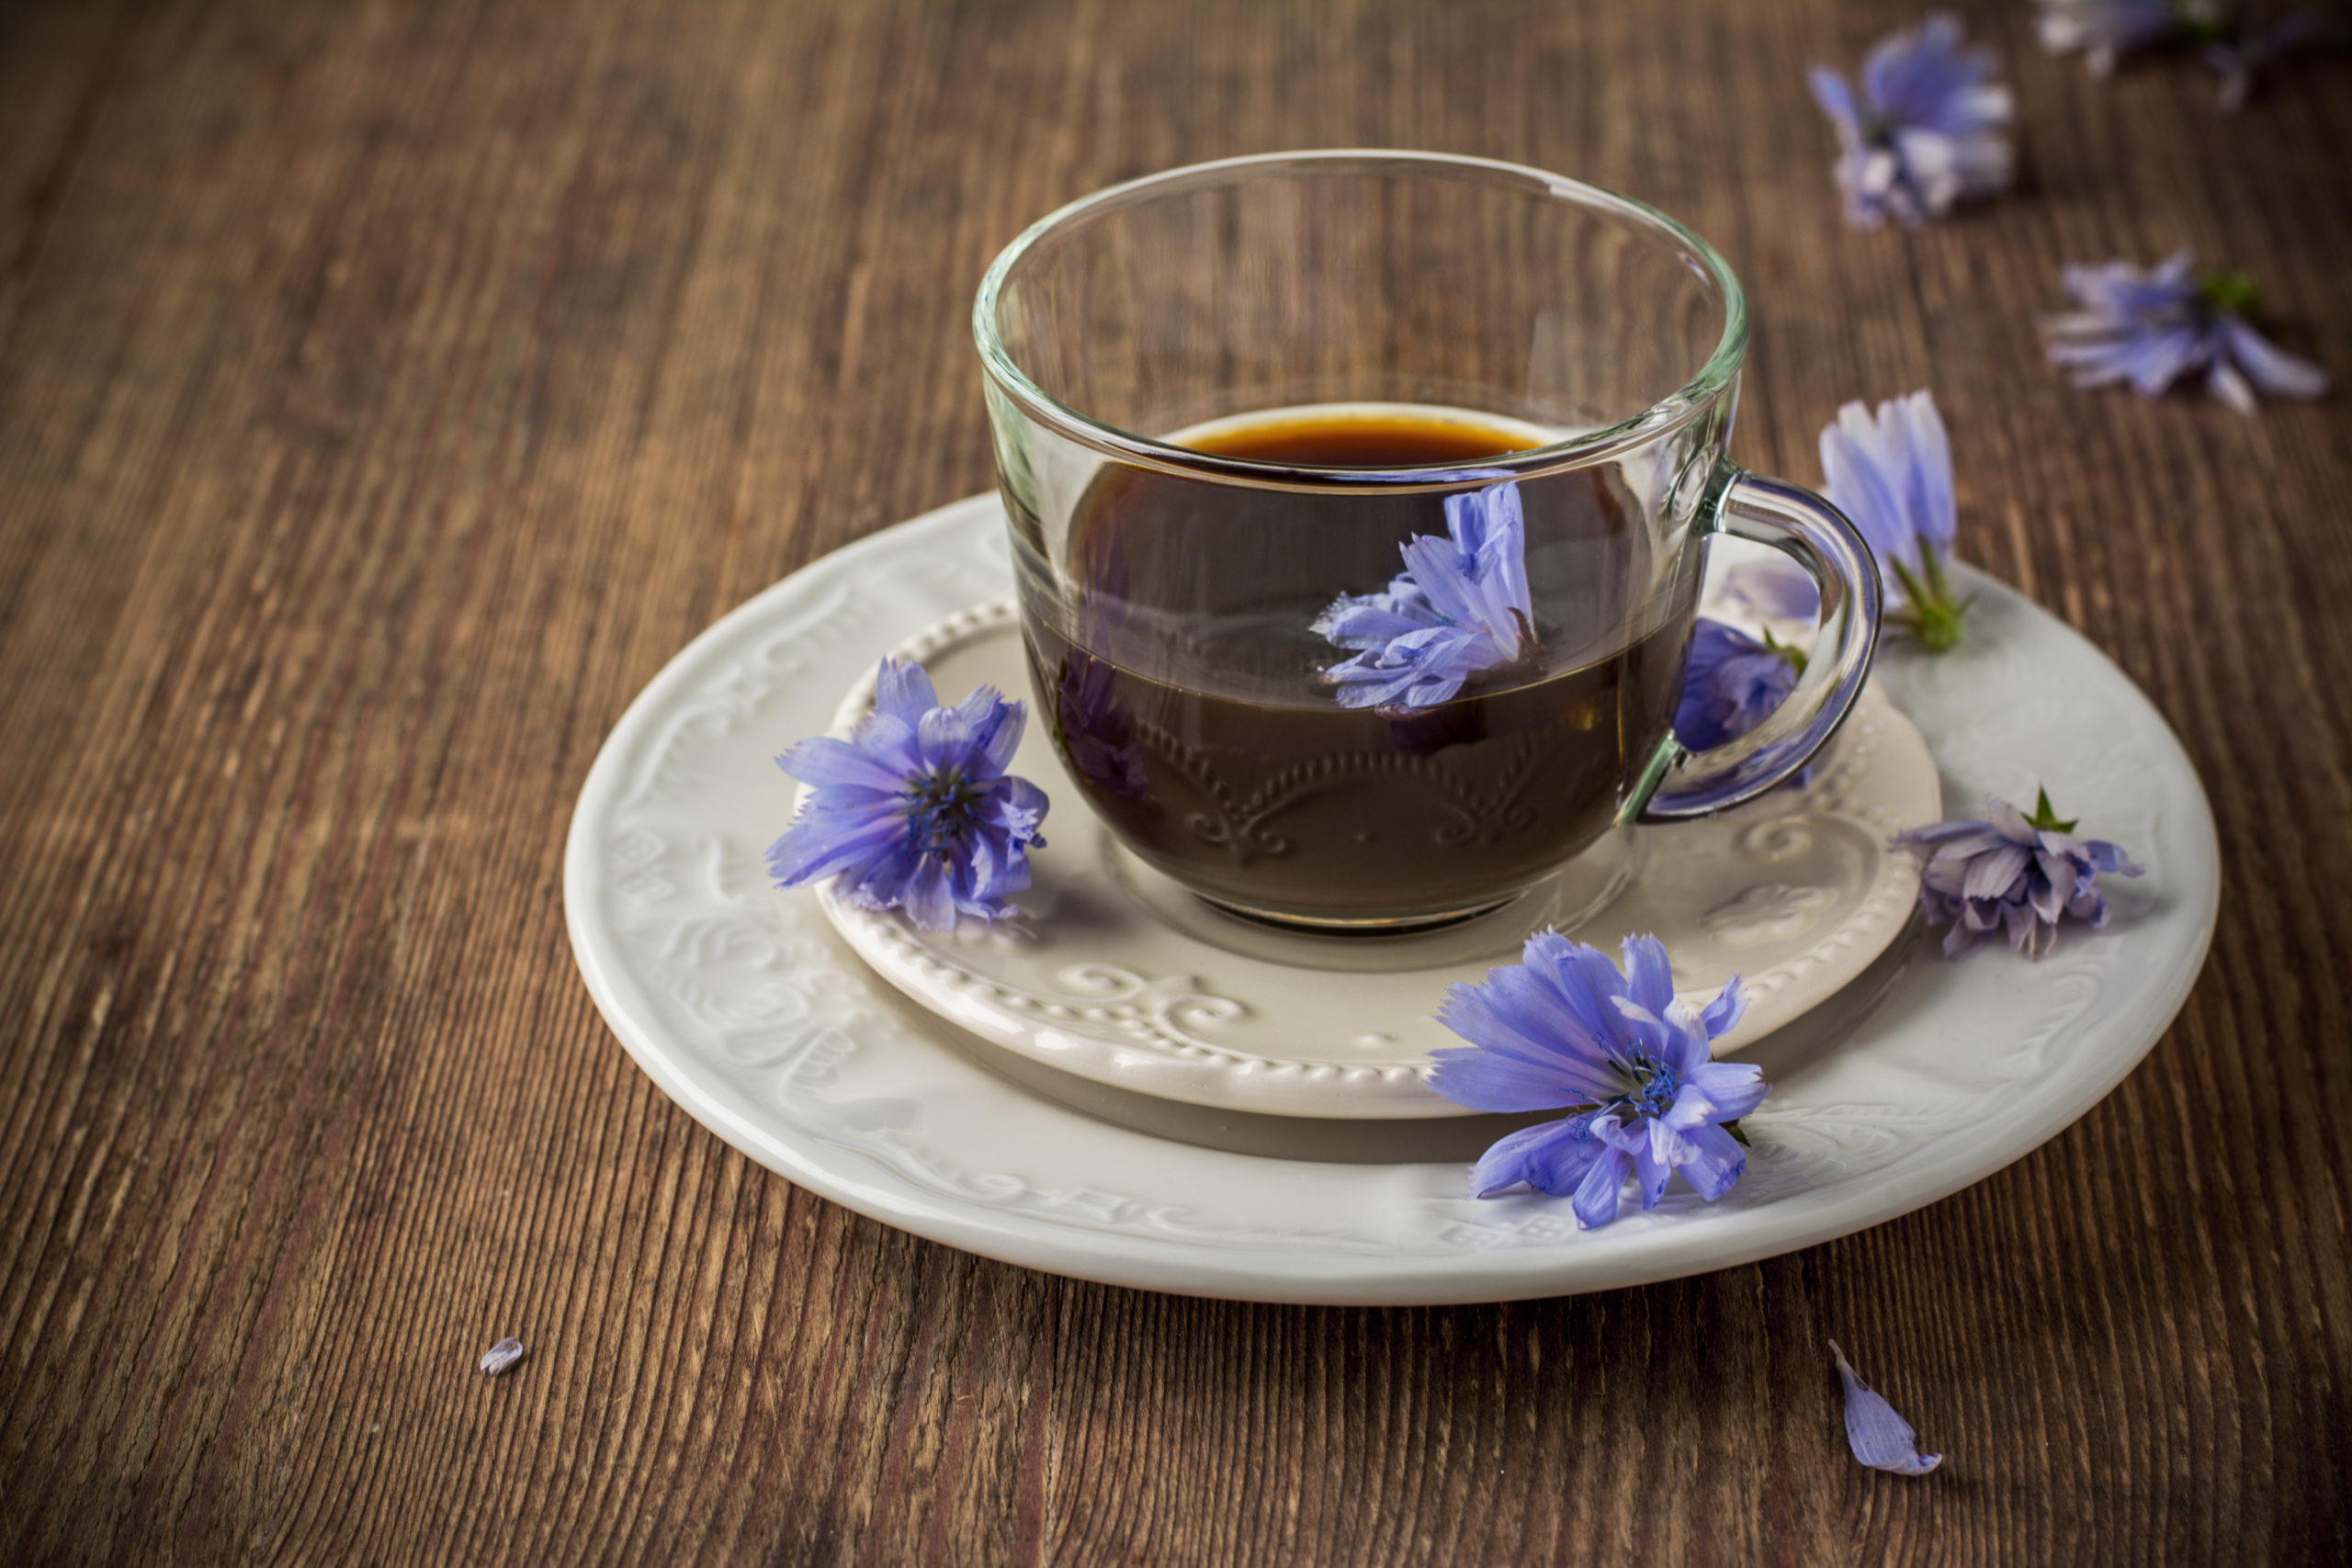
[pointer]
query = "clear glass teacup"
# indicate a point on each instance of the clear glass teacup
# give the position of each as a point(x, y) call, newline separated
point(1360, 505)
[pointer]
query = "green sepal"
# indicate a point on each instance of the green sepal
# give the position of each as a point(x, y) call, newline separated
point(1788, 650)
point(1932, 616)
point(2230, 291)
point(2045, 820)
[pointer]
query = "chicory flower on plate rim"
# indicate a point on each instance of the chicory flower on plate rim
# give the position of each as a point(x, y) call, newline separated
point(1632, 1065)
point(2013, 874)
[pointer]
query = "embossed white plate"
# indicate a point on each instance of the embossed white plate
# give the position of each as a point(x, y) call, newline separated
point(1117, 975)
point(745, 1007)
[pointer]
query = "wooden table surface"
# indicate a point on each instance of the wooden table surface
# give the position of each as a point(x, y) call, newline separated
point(388, 392)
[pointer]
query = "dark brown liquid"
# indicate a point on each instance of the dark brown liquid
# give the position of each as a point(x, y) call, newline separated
point(1186, 686)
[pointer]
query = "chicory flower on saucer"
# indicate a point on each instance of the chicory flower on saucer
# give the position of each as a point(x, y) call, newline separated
point(2153, 328)
point(1929, 129)
point(2011, 872)
point(1732, 683)
point(916, 812)
point(1879, 1438)
point(1892, 475)
point(1629, 1063)
point(1460, 608)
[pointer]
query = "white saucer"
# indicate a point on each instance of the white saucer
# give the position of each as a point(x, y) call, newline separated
point(1117, 973)
point(742, 1004)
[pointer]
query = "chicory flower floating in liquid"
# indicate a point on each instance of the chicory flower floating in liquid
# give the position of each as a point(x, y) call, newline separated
point(1928, 129)
point(1630, 1064)
point(1892, 475)
point(1459, 609)
point(1098, 731)
point(2013, 874)
point(916, 812)
point(2153, 328)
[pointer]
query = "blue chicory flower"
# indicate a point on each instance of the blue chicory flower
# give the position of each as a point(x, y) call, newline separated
point(2239, 60)
point(1879, 1438)
point(2011, 872)
point(917, 812)
point(1732, 683)
point(1630, 1063)
point(1892, 475)
point(2153, 328)
point(1928, 130)
point(1460, 608)
point(2106, 30)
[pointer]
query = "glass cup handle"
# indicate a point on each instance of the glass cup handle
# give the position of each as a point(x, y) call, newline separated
point(1678, 783)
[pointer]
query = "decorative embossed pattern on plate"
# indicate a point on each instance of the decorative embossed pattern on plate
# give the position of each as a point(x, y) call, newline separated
point(744, 1005)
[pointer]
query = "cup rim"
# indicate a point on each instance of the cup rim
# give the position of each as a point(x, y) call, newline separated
point(1579, 451)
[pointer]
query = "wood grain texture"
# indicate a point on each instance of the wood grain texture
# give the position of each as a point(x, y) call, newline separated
point(387, 392)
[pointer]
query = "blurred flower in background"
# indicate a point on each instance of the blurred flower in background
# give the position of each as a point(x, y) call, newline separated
point(2237, 51)
point(2153, 328)
point(1929, 128)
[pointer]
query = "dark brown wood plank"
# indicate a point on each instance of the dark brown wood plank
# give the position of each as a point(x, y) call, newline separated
point(386, 393)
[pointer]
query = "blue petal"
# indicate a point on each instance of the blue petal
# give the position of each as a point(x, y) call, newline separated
point(1652, 1168)
point(2108, 857)
point(945, 739)
point(1879, 1438)
point(1550, 1005)
point(2275, 371)
point(1837, 100)
point(904, 691)
point(930, 902)
point(998, 738)
point(1552, 1157)
point(1992, 873)
point(1515, 1064)
point(1858, 488)
point(892, 742)
point(1580, 981)
point(1649, 979)
point(823, 760)
point(1729, 1006)
point(823, 844)
point(1713, 1161)
point(1597, 1195)
point(1734, 1089)
point(1486, 1080)
point(1933, 510)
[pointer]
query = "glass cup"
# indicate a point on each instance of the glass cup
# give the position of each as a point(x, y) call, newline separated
point(1228, 400)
